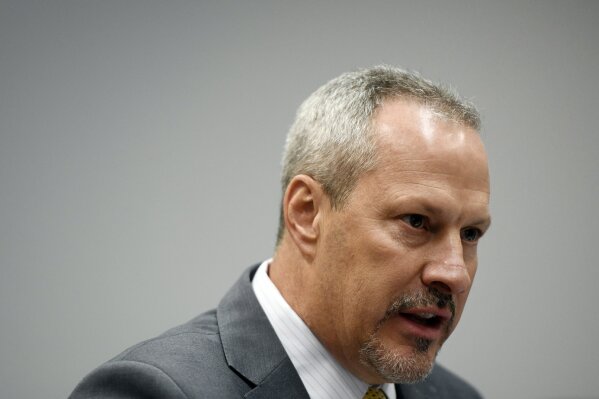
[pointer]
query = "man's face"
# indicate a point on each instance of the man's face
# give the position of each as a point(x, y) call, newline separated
point(396, 263)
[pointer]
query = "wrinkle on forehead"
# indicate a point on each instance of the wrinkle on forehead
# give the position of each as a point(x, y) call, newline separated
point(477, 180)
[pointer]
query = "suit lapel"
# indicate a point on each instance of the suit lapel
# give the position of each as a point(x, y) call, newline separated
point(283, 382)
point(251, 346)
point(398, 393)
point(420, 390)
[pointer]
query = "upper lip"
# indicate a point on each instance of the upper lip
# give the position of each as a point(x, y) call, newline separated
point(442, 313)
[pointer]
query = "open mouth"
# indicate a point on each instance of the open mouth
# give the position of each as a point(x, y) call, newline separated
point(425, 319)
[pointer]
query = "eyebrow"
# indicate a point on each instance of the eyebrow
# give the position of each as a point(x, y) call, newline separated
point(484, 222)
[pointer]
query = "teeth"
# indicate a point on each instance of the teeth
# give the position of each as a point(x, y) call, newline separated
point(426, 315)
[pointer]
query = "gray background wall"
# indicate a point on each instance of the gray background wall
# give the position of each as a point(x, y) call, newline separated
point(139, 152)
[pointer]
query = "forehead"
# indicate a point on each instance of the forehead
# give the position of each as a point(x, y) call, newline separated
point(413, 139)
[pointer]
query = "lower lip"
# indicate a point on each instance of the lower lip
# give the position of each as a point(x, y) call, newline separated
point(418, 330)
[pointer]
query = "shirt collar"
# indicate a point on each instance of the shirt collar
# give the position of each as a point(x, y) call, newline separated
point(320, 373)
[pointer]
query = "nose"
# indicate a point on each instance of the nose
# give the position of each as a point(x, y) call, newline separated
point(446, 271)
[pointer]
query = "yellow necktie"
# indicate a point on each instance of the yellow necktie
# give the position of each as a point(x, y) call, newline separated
point(374, 393)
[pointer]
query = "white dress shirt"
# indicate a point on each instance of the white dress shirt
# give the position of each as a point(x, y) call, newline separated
point(320, 373)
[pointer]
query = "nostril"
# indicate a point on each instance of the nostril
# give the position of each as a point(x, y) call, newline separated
point(441, 287)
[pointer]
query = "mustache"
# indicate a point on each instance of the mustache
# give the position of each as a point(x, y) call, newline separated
point(423, 298)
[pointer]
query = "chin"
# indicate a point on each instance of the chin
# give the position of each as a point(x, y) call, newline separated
point(399, 365)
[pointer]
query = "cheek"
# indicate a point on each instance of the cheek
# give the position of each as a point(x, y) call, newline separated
point(472, 270)
point(373, 293)
point(471, 258)
point(379, 253)
point(365, 302)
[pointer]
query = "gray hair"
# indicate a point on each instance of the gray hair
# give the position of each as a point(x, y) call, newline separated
point(332, 140)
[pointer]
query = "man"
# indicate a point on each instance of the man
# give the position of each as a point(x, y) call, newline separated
point(385, 196)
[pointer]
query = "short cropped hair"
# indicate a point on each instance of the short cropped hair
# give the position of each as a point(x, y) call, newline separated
point(331, 139)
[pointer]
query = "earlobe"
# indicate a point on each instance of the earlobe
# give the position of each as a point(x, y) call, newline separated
point(302, 206)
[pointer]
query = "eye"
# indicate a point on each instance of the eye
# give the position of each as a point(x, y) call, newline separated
point(415, 220)
point(471, 234)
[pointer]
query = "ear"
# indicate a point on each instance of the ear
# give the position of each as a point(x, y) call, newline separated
point(303, 206)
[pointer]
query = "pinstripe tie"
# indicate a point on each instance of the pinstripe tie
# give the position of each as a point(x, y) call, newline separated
point(374, 393)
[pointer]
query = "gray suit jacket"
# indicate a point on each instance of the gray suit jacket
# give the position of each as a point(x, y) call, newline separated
point(230, 352)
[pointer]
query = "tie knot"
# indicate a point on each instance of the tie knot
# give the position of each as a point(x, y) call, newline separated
point(374, 393)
